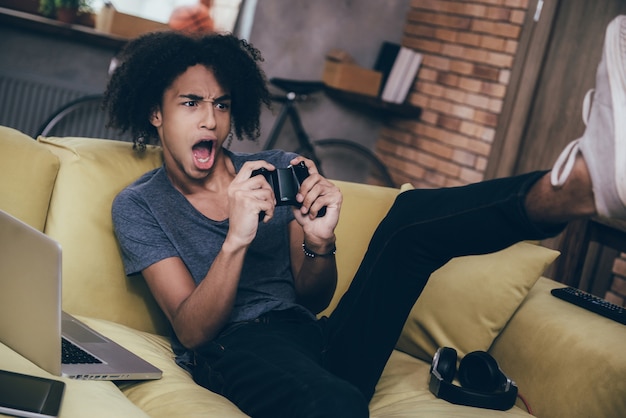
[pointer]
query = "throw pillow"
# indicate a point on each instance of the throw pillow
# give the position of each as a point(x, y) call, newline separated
point(27, 172)
point(468, 301)
point(93, 171)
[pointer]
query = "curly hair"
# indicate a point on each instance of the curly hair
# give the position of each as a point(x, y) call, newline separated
point(151, 63)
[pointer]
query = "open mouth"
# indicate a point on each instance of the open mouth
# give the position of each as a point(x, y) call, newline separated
point(203, 152)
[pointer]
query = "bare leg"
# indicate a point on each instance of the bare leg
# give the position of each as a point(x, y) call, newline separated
point(546, 204)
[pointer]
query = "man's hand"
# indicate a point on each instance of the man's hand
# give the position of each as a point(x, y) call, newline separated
point(317, 192)
point(247, 198)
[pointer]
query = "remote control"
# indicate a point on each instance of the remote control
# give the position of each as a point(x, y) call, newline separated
point(592, 303)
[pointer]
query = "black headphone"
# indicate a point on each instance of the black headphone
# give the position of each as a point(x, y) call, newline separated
point(484, 385)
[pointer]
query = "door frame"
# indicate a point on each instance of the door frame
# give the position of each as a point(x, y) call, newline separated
point(529, 61)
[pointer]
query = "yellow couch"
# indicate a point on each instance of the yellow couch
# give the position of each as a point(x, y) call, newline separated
point(566, 361)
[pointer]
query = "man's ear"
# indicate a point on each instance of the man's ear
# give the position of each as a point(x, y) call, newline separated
point(156, 118)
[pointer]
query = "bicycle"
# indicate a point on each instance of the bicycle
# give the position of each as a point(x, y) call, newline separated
point(82, 116)
point(338, 159)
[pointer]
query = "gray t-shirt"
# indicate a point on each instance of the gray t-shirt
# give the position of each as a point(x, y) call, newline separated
point(154, 221)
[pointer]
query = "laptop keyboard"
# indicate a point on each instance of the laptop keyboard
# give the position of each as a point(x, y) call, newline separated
point(72, 354)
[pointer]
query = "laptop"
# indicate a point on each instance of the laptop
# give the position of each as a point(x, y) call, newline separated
point(32, 322)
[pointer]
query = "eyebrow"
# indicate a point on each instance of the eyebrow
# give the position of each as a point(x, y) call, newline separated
point(198, 98)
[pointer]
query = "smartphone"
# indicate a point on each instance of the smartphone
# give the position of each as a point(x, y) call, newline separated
point(30, 396)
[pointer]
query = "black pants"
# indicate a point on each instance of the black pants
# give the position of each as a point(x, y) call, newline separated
point(286, 365)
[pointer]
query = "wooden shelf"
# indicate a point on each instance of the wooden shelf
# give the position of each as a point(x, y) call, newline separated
point(375, 104)
point(40, 24)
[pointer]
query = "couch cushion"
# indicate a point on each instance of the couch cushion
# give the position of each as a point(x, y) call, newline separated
point(364, 206)
point(567, 361)
point(175, 394)
point(81, 398)
point(92, 173)
point(468, 301)
point(27, 174)
point(402, 392)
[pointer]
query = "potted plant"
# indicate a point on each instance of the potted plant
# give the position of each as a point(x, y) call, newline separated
point(64, 10)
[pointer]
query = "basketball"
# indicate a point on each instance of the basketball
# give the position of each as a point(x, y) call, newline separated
point(193, 19)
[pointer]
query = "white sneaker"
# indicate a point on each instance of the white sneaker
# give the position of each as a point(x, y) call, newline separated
point(603, 145)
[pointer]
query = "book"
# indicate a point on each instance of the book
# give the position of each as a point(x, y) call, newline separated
point(385, 60)
point(393, 80)
point(401, 76)
point(408, 77)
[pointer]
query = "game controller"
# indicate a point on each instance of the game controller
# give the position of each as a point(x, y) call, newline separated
point(286, 182)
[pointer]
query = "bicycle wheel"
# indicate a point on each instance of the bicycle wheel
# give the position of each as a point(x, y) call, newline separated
point(81, 117)
point(346, 160)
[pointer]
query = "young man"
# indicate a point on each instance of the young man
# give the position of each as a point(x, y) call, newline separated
point(242, 294)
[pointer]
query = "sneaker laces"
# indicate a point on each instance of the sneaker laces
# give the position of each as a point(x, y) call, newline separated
point(565, 163)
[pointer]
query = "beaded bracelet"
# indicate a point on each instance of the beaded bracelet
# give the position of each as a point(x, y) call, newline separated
point(313, 254)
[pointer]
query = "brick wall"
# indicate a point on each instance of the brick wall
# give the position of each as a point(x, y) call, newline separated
point(468, 48)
